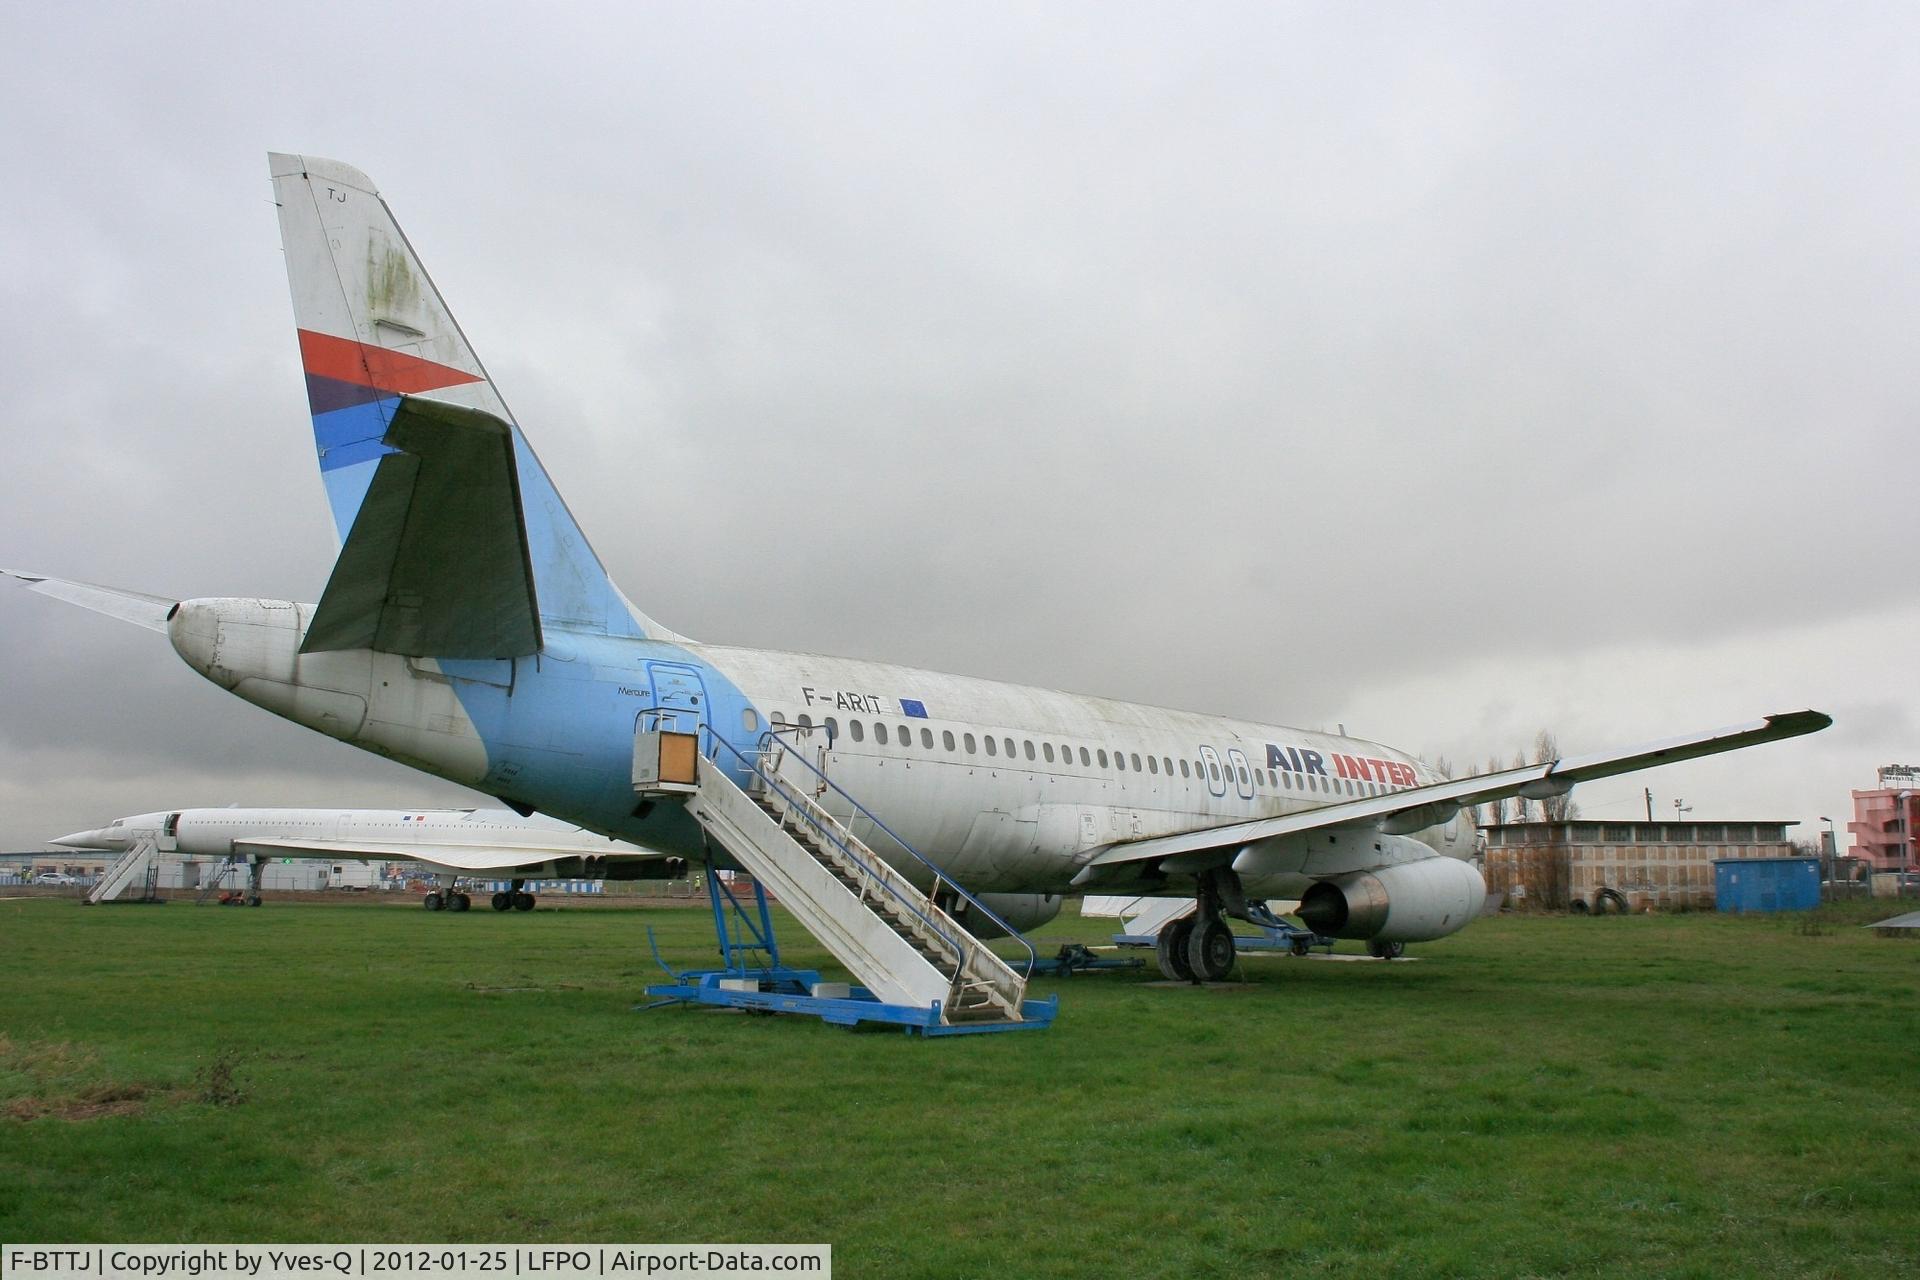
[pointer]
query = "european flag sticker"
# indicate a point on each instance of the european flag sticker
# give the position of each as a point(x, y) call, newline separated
point(913, 707)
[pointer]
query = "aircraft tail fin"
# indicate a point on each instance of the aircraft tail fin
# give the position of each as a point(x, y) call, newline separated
point(375, 333)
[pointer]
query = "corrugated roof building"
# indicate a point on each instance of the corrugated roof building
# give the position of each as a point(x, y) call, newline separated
point(1611, 866)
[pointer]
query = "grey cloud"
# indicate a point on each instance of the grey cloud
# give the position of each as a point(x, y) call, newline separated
point(1247, 358)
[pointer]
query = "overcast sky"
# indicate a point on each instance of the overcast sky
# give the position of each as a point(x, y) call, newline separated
point(1446, 372)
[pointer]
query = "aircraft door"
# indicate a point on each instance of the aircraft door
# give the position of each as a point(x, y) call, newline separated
point(679, 698)
point(1242, 774)
point(169, 838)
point(1216, 773)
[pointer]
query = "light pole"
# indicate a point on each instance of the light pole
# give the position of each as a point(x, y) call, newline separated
point(1904, 800)
point(1832, 850)
point(1680, 807)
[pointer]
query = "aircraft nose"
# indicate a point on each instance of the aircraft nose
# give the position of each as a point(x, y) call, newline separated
point(96, 839)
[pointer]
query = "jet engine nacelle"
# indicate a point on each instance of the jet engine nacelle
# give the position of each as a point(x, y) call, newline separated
point(1023, 911)
point(1412, 902)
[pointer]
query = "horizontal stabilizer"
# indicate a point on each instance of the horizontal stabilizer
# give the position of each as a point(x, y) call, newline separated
point(140, 609)
point(436, 563)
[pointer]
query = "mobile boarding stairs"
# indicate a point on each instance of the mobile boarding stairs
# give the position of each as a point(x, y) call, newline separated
point(138, 867)
point(917, 966)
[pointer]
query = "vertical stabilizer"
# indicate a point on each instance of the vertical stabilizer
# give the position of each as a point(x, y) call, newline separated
point(373, 329)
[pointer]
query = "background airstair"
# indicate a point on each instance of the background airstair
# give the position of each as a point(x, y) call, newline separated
point(139, 865)
point(916, 964)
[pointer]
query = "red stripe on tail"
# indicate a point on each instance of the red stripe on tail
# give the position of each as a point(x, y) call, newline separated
point(345, 360)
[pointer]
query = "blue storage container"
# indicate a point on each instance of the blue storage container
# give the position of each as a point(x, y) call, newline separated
point(1766, 884)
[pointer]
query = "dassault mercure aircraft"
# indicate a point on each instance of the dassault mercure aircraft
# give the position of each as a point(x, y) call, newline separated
point(469, 630)
point(495, 844)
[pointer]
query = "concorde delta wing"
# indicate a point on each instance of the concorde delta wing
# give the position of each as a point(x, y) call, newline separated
point(460, 857)
point(1420, 807)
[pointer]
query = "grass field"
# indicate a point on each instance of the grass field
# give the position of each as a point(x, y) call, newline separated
point(1678, 1095)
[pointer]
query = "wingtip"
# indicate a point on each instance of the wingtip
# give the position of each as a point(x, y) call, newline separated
point(1792, 723)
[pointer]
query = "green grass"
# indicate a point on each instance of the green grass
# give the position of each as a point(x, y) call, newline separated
point(1679, 1095)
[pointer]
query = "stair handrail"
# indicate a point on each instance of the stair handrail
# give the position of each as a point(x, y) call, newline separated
point(940, 875)
point(879, 876)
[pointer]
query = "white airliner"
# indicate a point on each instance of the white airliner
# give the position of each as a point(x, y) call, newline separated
point(494, 844)
point(469, 630)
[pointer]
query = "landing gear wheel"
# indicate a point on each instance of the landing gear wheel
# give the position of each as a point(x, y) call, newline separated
point(459, 902)
point(1386, 950)
point(254, 901)
point(1299, 946)
point(1172, 949)
point(523, 902)
point(432, 902)
point(1210, 950)
point(501, 902)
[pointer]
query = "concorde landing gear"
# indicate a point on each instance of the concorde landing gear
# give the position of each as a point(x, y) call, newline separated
point(446, 897)
point(517, 900)
point(1200, 948)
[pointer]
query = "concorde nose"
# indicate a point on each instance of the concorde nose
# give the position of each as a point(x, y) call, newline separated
point(99, 838)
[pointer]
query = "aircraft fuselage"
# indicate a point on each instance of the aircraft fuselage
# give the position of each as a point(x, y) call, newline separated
point(1010, 788)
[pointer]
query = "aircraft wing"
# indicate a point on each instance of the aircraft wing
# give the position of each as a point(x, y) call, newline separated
point(457, 857)
point(140, 609)
point(436, 564)
point(1436, 802)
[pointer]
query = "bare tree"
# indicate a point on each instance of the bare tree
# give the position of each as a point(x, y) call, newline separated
point(1560, 808)
point(1522, 808)
point(1494, 812)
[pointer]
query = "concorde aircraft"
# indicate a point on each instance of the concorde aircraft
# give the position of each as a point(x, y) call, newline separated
point(492, 844)
point(469, 630)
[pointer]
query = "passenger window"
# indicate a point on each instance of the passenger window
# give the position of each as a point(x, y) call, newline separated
point(1009, 742)
point(946, 739)
point(1085, 759)
point(1028, 747)
point(880, 732)
point(749, 719)
point(906, 736)
point(1244, 780)
point(779, 719)
point(1213, 771)
point(1120, 761)
point(1046, 749)
point(992, 750)
point(833, 729)
point(1166, 765)
point(1153, 765)
point(968, 738)
point(1136, 762)
point(1103, 757)
point(1183, 768)
point(806, 722)
point(853, 728)
point(926, 740)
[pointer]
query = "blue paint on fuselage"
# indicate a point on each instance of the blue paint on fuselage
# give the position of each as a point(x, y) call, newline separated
point(561, 737)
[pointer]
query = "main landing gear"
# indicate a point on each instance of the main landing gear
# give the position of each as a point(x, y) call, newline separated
point(447, 897)
point(517, 900)
point(1199, 948)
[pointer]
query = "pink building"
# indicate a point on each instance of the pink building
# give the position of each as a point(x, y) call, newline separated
point(1886, 820)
